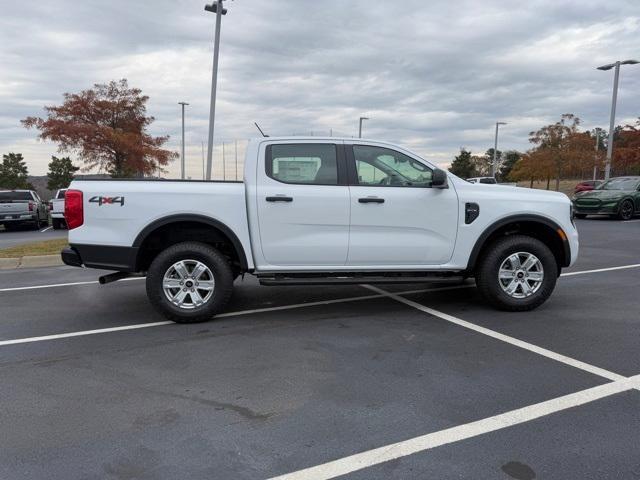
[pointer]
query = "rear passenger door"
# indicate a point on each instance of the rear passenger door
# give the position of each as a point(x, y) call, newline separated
point(303, 204)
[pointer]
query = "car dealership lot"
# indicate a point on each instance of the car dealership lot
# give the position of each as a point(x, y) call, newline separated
point(296, 377)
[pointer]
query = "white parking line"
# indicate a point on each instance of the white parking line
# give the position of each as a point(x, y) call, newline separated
point(598, 270)
point(393, 451)
point(45, 229)
point(222, 315)
point(601, 372)
point(92, 282)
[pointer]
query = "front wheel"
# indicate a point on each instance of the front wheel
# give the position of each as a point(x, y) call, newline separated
point(189, 282)
point(626, 210)
point(517, 273)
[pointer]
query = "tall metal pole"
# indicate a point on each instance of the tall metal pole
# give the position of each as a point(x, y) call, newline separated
point(214, 81)
point(182, 104)
point(595, 163)
point(360, 127)
point(612, 121)
point(203, 177)
point(495, 151)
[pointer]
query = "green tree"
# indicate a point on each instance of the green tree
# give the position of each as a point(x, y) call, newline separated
point(462, 166)
point(13, 171)
point(60, 172)
point(509, 159)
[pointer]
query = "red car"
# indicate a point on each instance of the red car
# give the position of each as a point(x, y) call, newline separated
point(587, 185)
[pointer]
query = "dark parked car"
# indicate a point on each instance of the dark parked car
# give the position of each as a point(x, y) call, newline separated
point(618, 197)
point(587, 185)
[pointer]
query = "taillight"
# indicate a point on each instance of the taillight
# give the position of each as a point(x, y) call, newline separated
point(30, 206)
point(73, 209)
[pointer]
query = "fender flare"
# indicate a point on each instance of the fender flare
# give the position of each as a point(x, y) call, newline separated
point(237, 245)
point(480, 242)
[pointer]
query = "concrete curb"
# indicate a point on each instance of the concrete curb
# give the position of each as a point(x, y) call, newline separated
point(31, 261)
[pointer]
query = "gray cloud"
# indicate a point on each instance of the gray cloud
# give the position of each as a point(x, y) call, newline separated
point(434, 76)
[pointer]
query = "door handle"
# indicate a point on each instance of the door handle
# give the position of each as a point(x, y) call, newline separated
point(371, 200)
point(279, 198)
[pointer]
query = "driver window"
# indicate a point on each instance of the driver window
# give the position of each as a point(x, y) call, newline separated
point(384, 167)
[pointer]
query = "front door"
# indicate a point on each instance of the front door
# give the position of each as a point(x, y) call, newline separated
point(396, 217)
point(303, 205)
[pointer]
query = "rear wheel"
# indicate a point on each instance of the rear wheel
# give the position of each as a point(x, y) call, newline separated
point(189, 282)
point(581, 215)
point(56, 223)
point(626, 210)
point(517, 273)
point(36, 223)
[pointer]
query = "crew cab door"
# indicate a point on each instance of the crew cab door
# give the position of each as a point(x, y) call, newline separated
point(303, 204)
point(396, 217)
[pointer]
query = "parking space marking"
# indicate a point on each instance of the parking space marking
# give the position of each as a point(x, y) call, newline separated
point(82, 333)
point(45, 229)
point(92, 282)
point(432, 440)
point(71, 284)
point(598, 270)
point(601, 372)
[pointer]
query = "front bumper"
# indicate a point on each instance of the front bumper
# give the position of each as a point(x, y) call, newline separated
point(602, 208)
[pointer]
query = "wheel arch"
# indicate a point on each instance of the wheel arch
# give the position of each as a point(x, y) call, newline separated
point(537, 226)
point(214, 229)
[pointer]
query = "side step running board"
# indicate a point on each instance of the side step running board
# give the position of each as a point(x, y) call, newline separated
point(284, 279)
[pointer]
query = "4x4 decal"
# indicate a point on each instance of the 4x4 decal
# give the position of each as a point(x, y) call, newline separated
point(107, 200)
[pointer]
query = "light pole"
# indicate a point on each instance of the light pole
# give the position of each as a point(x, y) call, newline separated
point(495, 150)
point(182, 104)
point(612, 120)
point(595, 162)
point(216, 8)
point(360, 128)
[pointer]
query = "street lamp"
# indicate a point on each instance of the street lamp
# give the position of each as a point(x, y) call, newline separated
point(616, 76)
point(595, 163)
point(182, 104)
point(216, 8)
point(360, 128)
point(495, 150)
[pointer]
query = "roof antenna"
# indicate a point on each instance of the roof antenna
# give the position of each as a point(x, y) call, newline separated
point(258, 127)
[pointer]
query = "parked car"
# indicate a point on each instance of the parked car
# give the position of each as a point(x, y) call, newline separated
point(320, 211)
point(587, 185)
point(20, 207)
point(56, 210)
point(618, 198)
point(487, 180)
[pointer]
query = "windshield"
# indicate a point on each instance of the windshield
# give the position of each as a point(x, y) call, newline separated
point(17, 196)
point(620, 184)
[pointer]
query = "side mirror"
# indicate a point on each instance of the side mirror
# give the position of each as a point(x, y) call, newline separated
point(439, 179)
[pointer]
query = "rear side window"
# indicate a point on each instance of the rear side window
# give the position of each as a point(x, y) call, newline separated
point(307, 164)
point(17, 196)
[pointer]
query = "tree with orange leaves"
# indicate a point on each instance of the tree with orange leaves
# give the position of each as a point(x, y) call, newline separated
point(626, 156)
point(106, 126)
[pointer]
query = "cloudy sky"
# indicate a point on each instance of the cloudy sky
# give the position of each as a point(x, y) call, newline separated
point(432, 75)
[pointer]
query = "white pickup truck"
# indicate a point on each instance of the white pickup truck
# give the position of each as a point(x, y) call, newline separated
point(320, 211)
point(56, 209)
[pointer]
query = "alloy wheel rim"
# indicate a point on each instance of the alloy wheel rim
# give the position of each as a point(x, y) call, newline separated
point(521, 275)
point(188, 284)
point(627, 210)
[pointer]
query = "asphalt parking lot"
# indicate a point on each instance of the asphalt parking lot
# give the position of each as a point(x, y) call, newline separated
point(403, 381)
point(26, 235)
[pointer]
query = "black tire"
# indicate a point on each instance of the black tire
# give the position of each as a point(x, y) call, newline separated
point(35, 225)
point(56, 223)
point(625, 212)
point(581, 215)
point(217, 264)
point(492, 259)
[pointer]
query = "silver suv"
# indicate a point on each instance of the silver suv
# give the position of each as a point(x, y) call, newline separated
point(19, 207)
